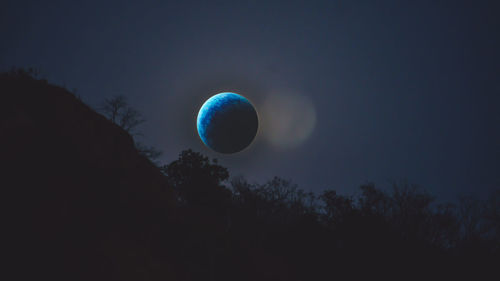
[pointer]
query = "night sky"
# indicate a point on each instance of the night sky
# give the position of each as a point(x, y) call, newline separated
point(382, 91)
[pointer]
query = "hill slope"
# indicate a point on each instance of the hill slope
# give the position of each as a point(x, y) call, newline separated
point(81, 203)
point(77, 193)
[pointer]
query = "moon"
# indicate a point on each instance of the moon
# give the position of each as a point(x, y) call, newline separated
point(227, 122)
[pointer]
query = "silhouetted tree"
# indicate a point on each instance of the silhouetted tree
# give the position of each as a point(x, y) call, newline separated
point(121, 113)
point(205, 200)
point(471, 212)
point(198, 180)
point(336, 207)
point(492, 218)
point(118, 111)
point(410, 210)
point(278, 199)
point(374, 201)
point(149, 152)
point(444, 226)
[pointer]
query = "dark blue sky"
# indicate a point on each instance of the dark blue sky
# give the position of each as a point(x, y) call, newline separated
point(401, 91)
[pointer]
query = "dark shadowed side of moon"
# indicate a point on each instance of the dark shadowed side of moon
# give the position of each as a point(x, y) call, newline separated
point(227, 123)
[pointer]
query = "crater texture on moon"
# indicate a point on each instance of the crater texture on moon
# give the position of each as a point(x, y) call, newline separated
point(227, 122)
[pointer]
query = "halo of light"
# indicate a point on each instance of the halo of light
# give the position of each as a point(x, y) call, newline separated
point(287, 119)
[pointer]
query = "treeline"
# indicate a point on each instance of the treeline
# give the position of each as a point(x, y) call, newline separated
point(277, 231)
point(85, 203)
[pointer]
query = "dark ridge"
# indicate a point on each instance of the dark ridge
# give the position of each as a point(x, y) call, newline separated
point(78, 195)
point(82, 203)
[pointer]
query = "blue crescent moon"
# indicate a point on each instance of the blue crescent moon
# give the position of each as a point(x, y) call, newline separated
point(227, 122)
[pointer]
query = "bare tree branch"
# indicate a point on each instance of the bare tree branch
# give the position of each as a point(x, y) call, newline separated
point(120, 113)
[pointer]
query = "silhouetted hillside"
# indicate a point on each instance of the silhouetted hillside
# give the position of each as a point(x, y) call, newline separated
point(82, 203)
point(78, 194)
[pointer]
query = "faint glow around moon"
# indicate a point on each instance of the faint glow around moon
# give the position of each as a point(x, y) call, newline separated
point(287, 119)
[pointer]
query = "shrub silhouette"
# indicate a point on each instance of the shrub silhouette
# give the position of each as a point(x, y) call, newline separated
point(197, 180)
